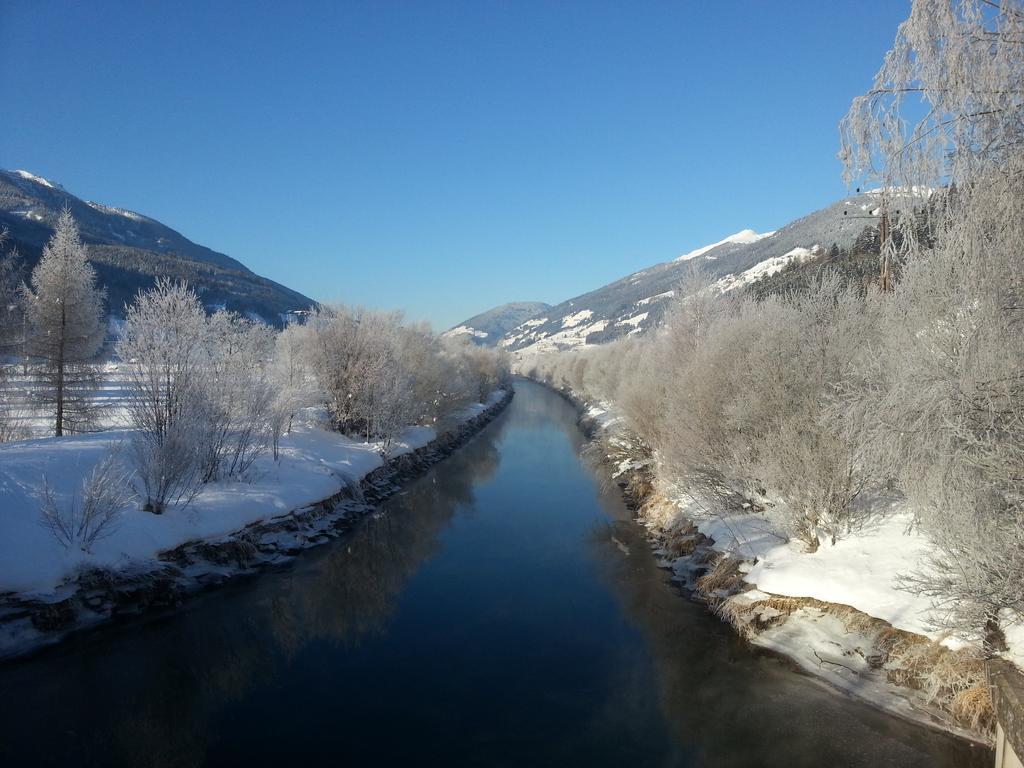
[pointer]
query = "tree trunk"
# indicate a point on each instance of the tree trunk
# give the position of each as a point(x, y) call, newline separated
point(60, 371)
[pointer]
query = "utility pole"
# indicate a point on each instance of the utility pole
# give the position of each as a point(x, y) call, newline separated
point(885, 280)
point(884, 241)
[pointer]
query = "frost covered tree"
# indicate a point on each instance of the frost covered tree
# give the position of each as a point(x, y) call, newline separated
point(960, 60)
point(293, 383)
point(162, 347)
point(66, 324)
point(202, 394)
point(11, 286)
point(944, 406)
point(238, 394)
point(12, 330)
point(379, 375)
point(943, 401)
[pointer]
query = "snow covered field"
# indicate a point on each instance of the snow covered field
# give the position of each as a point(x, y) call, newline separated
point(106, 403)
point(315, 463)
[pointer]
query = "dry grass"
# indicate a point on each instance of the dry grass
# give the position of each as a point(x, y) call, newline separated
point(944, 679)
point(973, 708)
point(721, 581)
point(639, 487)
point(949, 680)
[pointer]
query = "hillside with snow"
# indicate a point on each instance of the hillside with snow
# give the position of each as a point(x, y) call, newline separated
point(638, 301)
point(487, 328)
point(743, 237)
point(129, 250)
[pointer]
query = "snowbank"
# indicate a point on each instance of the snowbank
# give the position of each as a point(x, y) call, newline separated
point(862, 570)
point(314, 464)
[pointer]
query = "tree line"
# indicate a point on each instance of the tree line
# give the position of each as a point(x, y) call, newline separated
point(207, 394)
point(811, 400)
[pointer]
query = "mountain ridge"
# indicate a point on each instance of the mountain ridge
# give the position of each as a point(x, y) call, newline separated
point(637, 302)
point(491, 325)
point(130, 250)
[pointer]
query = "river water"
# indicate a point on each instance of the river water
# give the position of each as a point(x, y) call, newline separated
point(502, 610)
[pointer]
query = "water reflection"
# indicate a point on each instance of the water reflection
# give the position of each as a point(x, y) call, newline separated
point(149, 695)
point(727, 704)
point(501, 611)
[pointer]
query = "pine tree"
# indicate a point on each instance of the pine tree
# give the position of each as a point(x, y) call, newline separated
point(10, 288)
point(66, 325)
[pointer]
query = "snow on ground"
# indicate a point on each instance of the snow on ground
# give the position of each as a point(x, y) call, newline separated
point(38, 179)
point(573, 335)
point(861, 570)
point(534, 323)
point(106, 403)
point(116, 211)
point(603, 415)
point(1014, 633)
point(656, 297)
point(315, 464)
point(764, 269)
point(465, 330)
point(825, 647)
point(522, 331)
point(576, 318)
point(743, 237)
point(635, 320)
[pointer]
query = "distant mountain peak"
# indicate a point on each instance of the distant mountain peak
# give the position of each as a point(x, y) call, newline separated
point(743, 237)
point(38, 179)
point(488, 327)
point(130, 250)
point(117, 211)
point(636, 303)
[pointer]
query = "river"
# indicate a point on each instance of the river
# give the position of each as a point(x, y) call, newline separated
point(502, 610)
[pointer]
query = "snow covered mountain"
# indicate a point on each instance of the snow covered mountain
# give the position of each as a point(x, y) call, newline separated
point(488, 327)
point(743, 237)
point(637, 302)
point(129, 250)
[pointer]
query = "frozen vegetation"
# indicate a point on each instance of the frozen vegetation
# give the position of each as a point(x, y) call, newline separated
point(860, 443)
point(202, 424)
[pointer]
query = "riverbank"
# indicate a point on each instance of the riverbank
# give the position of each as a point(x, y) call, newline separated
point(716, 554)
point(509, 567)
point(312, 495)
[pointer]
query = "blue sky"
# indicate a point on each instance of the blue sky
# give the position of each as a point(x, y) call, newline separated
point(441, 157)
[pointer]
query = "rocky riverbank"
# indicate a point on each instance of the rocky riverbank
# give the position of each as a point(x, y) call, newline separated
point(100, 595)
point(904, 673)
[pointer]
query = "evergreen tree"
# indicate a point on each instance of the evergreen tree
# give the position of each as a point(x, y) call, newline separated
point(66, 325)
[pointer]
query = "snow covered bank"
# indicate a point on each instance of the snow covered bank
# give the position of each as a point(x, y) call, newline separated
point(838, 612)
point(321, 479)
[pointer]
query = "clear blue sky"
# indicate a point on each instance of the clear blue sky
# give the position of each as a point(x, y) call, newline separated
point(441, 157)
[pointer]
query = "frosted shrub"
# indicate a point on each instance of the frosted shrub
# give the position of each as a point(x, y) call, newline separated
point(238, 393)
point(92, 514)
point(948, 420)
point(162, 346)
point(204, 400)
point(379, 375)
point(947, 388)
point(739, 395)
point(292, 383)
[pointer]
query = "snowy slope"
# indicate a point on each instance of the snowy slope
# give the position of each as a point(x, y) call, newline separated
point(638, 301)
point(129, 250)
point(743, 237)
point(488, 327)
